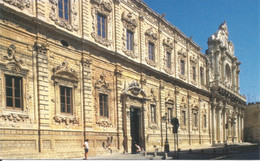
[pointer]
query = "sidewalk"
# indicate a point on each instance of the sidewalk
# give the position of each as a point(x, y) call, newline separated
point(199, 153)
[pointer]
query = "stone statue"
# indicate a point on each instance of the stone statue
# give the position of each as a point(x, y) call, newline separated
point(221, 35)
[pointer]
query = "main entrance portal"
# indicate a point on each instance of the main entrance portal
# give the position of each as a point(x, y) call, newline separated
point(135, 118)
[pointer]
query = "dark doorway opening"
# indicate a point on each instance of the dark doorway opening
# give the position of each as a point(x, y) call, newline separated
point(135, 117)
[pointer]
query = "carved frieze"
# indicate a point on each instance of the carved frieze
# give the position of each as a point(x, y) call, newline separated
point(104, 123)
point(21, 4)
point(66, 120)
point(69, 25)
point(15, 117)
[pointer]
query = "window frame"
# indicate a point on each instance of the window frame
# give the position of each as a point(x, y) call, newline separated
point(168, 59)
point(205, 121)
point(105, 105)
point(130, 40)
point(20, 79)
point(183, 121)
point(63, 10)
point(100, 18)
point(153, 113)
point(66, 104)
point(182, 67)
point(169, 113)
point(151, 51)
point(202, 76)
point(194, 73)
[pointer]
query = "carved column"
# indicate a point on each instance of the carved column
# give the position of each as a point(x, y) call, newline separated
point(242, 127)
point(224, 124)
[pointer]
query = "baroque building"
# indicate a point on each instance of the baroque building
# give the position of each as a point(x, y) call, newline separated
point(110, 71)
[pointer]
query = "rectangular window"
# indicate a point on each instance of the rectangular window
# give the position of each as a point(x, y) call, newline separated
point(195, 119)
point(153, 113)
point(151, 51)
point(194, 73)
point(168, 59)
point(63, 9)
point(184, 118)
point(205, 121)
point(14, 92)
point(66, 103)
point(101, 25)
point(130, 40)
point(182, 67)
point(201, 75)
point(170, 114)
point(103, 104)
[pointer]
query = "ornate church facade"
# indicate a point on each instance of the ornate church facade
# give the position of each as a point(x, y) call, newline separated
point(114, 72)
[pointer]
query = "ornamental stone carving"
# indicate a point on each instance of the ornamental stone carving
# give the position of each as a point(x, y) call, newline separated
point(10, 62)
point(104, 123)
point(73, 24)
point(66, 120)
point(168, 46)
point(21, 4)
point(151, 36)
point(105, 8)
point(134, 89)
point(15, 117)
point(130, 24)
point(64, 72)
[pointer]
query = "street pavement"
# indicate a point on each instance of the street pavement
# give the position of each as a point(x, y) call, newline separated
point(235, 152)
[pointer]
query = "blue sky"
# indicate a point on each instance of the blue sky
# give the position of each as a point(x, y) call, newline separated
point(201, 18)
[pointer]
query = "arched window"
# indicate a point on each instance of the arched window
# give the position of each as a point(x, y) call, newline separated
point(228, 71)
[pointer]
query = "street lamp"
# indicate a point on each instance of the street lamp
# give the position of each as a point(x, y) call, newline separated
point(166, 145)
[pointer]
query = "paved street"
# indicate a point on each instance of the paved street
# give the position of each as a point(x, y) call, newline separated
point(196, 154)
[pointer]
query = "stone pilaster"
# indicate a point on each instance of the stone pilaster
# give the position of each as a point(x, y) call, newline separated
point(224, 124)
point(43, 84)
point(213, 109)
point(87, 94)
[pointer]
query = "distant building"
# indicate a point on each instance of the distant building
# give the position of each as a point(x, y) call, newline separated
point(252, 123)
point(111, 71)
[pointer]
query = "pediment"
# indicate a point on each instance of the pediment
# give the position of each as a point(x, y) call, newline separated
point(64, 72)
point(10, 63)
point(134, 89)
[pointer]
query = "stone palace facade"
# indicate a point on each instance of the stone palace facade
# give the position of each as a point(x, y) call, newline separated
point(112, 71)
